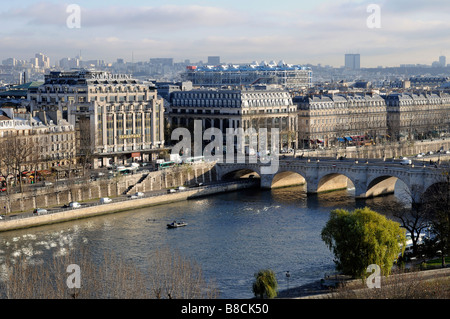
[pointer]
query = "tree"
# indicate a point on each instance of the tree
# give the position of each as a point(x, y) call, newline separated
point(362, 238)
point(412, 216)
point(265, 284)
point(20, 150)
point(437, 205)
point(85, 144)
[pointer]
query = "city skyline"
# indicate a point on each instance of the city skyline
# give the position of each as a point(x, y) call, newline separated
point(298, 32)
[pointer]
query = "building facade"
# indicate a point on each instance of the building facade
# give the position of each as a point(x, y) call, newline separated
point(353, 61)
point(293, 77)
point(413, 116)
point(49, 138)
point(117, 119)
point(244, 108)
point(339, 120)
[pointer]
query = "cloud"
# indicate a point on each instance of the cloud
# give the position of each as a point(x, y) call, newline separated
point(127, 17)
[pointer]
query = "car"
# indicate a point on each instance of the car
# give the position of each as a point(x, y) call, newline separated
point(47, 184)
point(199, 184)
point(40, 211)
point(172, 190)
point(405, 161)
point(105, 200)
point(133, 196)
point(430, 153)
point(139, 194)
point(181, 188)
point(74, 205)
point(419, 155)
point(2, 217)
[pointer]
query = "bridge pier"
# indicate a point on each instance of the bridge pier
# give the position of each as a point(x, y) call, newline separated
point(266, 181)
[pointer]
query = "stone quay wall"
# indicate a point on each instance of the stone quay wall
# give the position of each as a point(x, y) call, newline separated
point(64, 192)
point(126, 205)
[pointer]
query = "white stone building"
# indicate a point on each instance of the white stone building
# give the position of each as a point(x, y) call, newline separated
point(117, 119)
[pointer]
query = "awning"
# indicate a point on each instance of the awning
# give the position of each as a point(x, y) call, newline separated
point(348, 138)
point(340, 139)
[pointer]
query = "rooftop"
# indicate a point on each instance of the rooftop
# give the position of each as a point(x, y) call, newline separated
point(263, 66)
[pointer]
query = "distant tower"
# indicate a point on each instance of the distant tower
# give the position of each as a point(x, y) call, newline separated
point(213, 60)
point(442, 61)
point(352, 61)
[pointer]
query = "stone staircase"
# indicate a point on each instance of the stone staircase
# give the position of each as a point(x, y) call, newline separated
point(132, 188)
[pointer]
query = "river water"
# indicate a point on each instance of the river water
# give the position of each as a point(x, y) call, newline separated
point(231, 236)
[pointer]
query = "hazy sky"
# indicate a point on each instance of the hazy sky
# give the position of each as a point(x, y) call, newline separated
point(296, 31)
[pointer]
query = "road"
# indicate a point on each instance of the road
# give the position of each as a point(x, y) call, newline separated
point(120, 198)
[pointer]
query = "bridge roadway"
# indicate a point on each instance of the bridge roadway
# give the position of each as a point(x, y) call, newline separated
point(370, 178)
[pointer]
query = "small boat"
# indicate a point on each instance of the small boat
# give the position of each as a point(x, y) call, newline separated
point(176, 225)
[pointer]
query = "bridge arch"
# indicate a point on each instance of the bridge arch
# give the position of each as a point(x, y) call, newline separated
point(384, 185)
point(287, 178)
point(333, 181)
point(240, 173)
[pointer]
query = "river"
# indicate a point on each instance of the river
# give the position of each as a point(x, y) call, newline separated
point(231, 236)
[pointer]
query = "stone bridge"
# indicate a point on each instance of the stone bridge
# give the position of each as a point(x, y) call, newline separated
point(369, 178)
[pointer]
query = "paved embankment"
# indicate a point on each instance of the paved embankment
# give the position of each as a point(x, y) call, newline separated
point(317, 291)
point(124, 205)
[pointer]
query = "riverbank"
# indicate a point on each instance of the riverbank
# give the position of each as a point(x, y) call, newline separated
point(355, 288)
point(147, 200)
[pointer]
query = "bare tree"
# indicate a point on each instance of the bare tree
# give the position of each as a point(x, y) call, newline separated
point(109, 277)
point(437, 205)
point(85, 144)
point(17, 154)
point(413, 218)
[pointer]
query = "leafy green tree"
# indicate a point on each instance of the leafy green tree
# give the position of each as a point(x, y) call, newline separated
point(362, 238)
point(265, 284)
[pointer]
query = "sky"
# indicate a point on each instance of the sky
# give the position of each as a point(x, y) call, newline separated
point(239, 31)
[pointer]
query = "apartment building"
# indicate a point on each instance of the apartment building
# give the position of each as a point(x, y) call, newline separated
point(50, 138)
point(338, 119)
point(251, 107)
point(413, 116)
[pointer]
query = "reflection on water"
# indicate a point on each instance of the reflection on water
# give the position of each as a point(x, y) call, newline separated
point(231, 235)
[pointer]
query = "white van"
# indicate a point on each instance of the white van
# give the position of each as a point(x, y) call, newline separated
point(105, 200)
point(74, 205)
point(406, 161)
point(40, 211)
